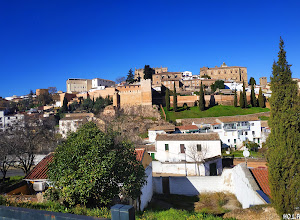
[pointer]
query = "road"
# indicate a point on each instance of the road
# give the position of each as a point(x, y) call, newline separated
point(13, 172)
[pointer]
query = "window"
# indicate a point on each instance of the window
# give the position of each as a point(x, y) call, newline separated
point(234, 141)
point(199, 147)
point(166, 147)
point(257, 140)
point(246, 133)
point(182, 148)
point(252, 124)
point(253, 132)
point(228, 140)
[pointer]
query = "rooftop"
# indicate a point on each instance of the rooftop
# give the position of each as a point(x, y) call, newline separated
point(262, 178)
point(187, 127)
point(163, 128)
point(188, 137)
point(41, 169)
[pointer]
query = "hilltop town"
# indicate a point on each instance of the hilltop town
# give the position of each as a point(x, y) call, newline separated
point(192, 134)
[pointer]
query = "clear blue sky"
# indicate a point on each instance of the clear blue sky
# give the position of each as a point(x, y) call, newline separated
point(45, 42)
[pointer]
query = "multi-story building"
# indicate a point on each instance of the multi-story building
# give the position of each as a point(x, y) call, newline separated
point(190, 154)
point(10, 121)
point(78, 85)
point(233, 130)
point(168, 79)
point(102, 83)
point(224, 72)
point(139, 73)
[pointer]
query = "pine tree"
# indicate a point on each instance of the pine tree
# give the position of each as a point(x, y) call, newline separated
point(261, 99)
point(242, 103)
point(235, 99)
point(201, 99)
point(245, 96)
point(130, 77)
point(284, 141)
point(174, 99)
point(167, 98)
point(253, 97)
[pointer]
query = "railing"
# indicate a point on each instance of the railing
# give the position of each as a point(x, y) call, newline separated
point(245, 127)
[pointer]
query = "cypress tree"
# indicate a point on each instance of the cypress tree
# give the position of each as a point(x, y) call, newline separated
point(235, 99)
point(174, 99)
point(201, 99)
point(242, 103)
point(253, 97)
point(261, 99)
point(65, 105)
point(245, 96)
point(167, 98)
point(284, 141)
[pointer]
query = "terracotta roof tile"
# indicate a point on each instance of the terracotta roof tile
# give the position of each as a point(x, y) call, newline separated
point(261, 176)
point(187, 127)
point(163, 128)
point(139, 153)
point(188, 137)
point(41, 169)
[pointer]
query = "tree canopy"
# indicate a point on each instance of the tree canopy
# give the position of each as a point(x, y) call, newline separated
point(148, 72)
point(92, 168)
point(284, 140)
point(201, 99)
point(219, 84)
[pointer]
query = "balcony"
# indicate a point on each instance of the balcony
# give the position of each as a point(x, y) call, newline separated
point(243, 127)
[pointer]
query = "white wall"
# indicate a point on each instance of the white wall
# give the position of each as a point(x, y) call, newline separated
point(182, 168)
point(238, 181)
point(209, 149)
point(194, 185)
point(147, 190)
point(245, 187)
point(152, 135)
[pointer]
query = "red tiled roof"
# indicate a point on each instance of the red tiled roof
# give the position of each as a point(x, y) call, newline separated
point(187, 127)
point(261, 176)
point(139, 153)
point(40, 170)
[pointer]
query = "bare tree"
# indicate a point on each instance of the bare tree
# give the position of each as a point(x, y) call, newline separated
point(198, 154)
point(6, 154)
point(120, 79)
point(52, 90)
point(36, 136)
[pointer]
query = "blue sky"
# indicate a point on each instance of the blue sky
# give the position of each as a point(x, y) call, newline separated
point(43, 43)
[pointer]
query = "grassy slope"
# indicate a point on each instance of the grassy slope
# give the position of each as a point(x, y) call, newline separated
point(215, 111)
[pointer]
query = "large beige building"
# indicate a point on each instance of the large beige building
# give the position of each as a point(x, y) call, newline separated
point(139, 73)
point(224, 72)
point(78, 85)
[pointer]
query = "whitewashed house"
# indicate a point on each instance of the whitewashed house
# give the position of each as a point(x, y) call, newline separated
point(234, 130)
point(188, 154)
point(10, 121)
point(163, 129)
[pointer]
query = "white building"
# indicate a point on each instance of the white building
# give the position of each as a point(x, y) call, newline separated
point(163, 129)
point(7, 121)
point(234, 86)
point(102, 83)
point(234, 130)
point(72, 122)
point(188, 154)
